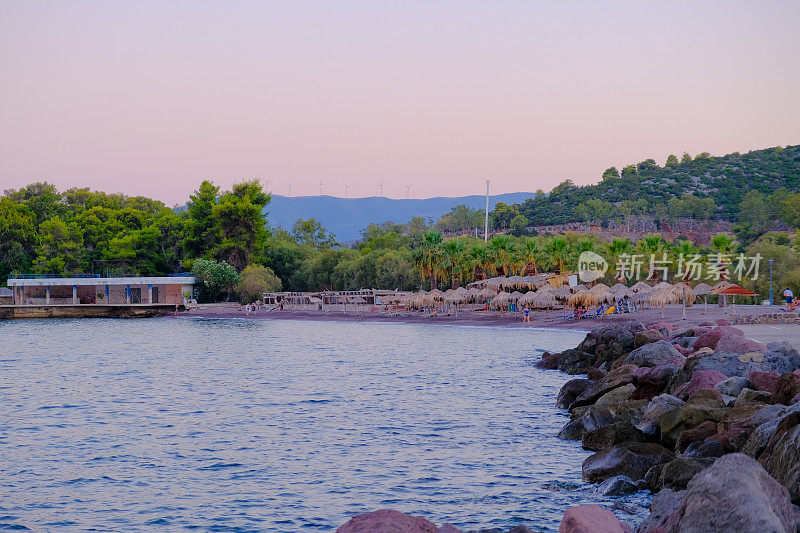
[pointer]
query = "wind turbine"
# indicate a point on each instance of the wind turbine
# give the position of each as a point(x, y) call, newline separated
point(346, 191)
point(267, 186)
point(320, 187)
point(408, 190)
point(380, 186)
point(289, 186)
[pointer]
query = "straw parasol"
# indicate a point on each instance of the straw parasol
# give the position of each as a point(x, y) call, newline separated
point(578, 287)
point(454, 298)
point(528, 299)
point(515, 296)
point(600, 296)
point(563, 292)
point(702, 289)
point(545, 300)
point(662, 285)
point(620, 291)
point(641, 286)
point(501, 300)
point(486, 294)
point(558, 280)
point(661, 298)
point(642, 296)
point(436, 295)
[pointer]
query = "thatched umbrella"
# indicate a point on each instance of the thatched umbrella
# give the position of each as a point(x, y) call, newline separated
point(641, 297)
point(641, 286)
point(599, 287)
point(454, 298)
point(495, 283)
point(723, 300)
point(501, 300)
point(486, 294)
point(662, 285)
point(527, 299)
point(662, 298)
point(545, 300)
point(563, 292)
point(620, 291)
point(578, 298)
point(577, 288)
point(515, 296)
point(436, 295)
point(557, 280)
point(599, 297)
point(702, 289)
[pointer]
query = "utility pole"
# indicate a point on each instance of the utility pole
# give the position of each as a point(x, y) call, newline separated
point(486, 221)
point(408, 191)
point(771, 300)
point(346, 191)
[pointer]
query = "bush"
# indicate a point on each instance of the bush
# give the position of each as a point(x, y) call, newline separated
point(254, 281)
point(214, 278)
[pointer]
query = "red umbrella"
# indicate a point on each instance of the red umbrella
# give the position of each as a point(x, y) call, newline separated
point(735, 290)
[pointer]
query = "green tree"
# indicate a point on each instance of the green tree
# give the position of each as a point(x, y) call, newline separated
point(518, 226)
point(254, 281)
point(310, 232)
point(240, 214)
point(59, 249)
point(214, 279)
point(202, 228)
point(672, 161)
point(17, 237)
point(429, 255)
point(452, 252)
point(557, 252)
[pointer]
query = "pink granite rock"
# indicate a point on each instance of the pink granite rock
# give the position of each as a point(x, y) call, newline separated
point(387, 521)
point(710, 339)
point(737, 344)
point(766, 381)
point(591, 519)
point(702, 379)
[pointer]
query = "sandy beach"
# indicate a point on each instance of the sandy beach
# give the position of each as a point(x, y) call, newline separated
point(672, 316)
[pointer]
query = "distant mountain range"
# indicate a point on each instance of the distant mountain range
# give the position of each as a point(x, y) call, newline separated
point(347, 217)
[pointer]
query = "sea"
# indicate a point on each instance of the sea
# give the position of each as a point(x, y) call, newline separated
point(173, 424)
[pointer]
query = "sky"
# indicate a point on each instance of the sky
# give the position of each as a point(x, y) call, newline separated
point(150, 98)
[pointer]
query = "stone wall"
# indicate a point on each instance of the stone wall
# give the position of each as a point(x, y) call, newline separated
point(766, 318)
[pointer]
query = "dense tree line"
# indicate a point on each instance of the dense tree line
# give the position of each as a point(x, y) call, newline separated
point(223, 236)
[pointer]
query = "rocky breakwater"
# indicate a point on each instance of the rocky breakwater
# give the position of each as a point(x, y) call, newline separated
point(705, 418)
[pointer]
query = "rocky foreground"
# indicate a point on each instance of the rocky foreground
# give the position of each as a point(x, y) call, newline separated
point(705, 418)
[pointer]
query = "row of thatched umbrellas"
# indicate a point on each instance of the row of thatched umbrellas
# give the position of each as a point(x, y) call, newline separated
point(550, 292)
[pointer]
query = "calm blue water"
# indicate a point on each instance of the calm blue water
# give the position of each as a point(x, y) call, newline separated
point(235, 425)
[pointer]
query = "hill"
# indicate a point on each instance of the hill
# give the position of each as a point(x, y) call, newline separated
point(347, 217)
point(701, 187)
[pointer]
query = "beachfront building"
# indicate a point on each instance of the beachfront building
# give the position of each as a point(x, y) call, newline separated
point(90, 290)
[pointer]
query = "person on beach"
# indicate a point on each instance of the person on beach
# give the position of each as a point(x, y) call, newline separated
point(789, 295)
point(527, 313)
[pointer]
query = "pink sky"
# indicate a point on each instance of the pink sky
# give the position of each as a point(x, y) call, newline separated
point(152, 97)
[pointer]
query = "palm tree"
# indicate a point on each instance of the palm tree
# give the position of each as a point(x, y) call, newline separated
point(475, 260)
point(452, 252)
point(429, 255)
point(529, 253)
point(502, 249)
point(683, 251)
point(615, 250)
point(557, 250)
point(724, 244)
point(651, 245)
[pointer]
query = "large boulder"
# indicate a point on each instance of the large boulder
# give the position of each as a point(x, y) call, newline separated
point(620, 394)
point(732, 386)
point(734, 494)
point(679, 472)
point(591, 519)
point(616, 378)
point(387, 521)
point(652, 354)
point(764, 381)
point(697, 411)
point(662, 404)
point(584, 419)
point(738, 344)
point(608, 343)
point(787, 388)
point(711, 338)
point(697, 434)
point(571, 390)
point(702, 379)
point(611, 435)
point(632, 459)
point(640, 338)
point(651, 382)
point(781, 455)
point(663, 505)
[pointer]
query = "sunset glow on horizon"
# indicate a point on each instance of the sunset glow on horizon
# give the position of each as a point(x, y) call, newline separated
point(150, 99)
